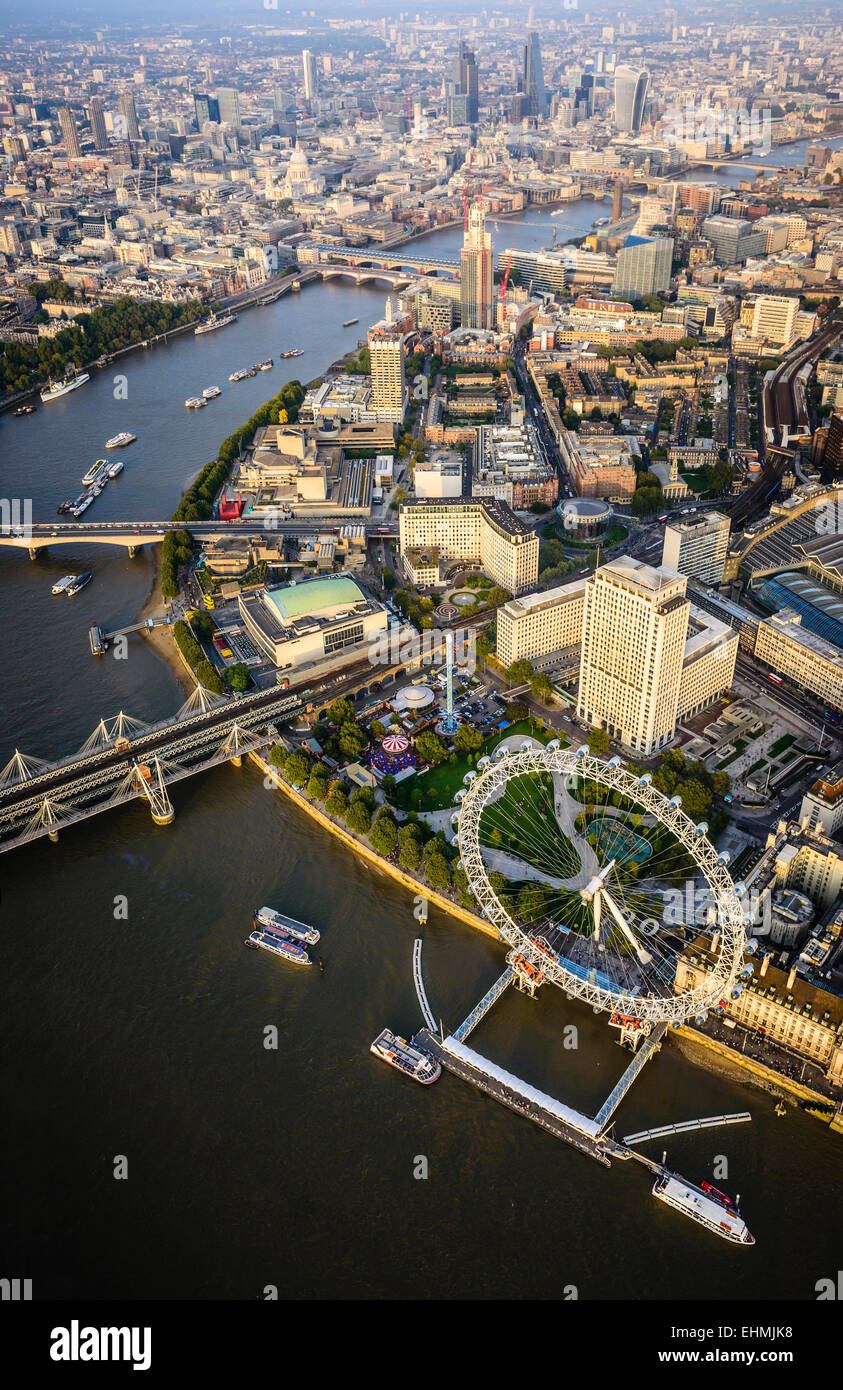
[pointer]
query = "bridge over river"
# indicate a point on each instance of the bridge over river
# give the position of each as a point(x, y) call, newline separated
point(131, 535)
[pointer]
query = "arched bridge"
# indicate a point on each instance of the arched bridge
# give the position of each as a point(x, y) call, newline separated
point(372, 257)
point(131, 535)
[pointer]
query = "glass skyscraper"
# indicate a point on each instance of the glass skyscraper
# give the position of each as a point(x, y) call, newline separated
point(533, 77)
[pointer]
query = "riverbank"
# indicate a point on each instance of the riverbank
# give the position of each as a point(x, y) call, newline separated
point(758, 1074)
point(414, 885)
point(160, 639)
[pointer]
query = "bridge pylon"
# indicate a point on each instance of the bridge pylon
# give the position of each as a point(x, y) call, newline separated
point(237, 742)
point(152, 783)
point(20, 767)
point(49, 815)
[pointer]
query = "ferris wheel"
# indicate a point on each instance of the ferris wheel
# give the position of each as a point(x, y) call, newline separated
point(584, 869)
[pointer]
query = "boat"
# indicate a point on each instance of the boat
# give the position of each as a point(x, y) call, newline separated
point(64, 387)
point(99, 486)
point(64, 507)
point(117, 441)
point(278, 946)
point(83, 504)
point(80, 583)
point(211, 392)
point(95, 471)
point(398, 1053)
point(116, 469)
point(781, 1108)
point(241, 374)
point(65, 583)
point(265, 365)
point(214, 322)
point(267, 919)
point(602, 221)
point(95, 637)
point(703, 1208)
point(346, 323)
point(293, 352)
point(195, 402)
point(24, 410)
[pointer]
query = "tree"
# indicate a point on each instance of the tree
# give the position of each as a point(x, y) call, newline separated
point(365, 796)
point(598, 742)
point(358, 817)
point(467, 739)
point(516, 711)
point(519, 671)
point(436, 869)
point(352, 740)
point(337, 802)
point(409, 852)
point(341, 711)
point(696, 799)
point(388, 578)
point(297, 768)
point(384, 834)
point(430, 747)
point(208, 676)
point(377, 729)
point(278, 755)
point(238, 676)
point(317, 783)
point(541, 687)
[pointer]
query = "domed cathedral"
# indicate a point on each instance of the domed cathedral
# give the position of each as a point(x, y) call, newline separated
point(299, 181)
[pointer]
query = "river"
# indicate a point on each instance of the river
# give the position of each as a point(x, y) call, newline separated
point(143, 1037)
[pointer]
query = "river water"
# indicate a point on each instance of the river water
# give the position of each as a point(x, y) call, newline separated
point(142, 1038)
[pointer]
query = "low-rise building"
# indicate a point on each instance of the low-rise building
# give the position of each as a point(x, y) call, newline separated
point(314, 626)
point(480, 531)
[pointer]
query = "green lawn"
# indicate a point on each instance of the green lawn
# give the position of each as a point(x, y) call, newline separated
point(522, 822)
point(781, 743)
point(435, 789)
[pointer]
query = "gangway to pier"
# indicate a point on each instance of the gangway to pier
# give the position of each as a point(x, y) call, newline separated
point(485, 1005)
point(419, 982)
point(639, 1061)
point(707, 1122)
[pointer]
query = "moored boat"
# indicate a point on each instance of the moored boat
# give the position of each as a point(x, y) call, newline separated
point(214, 322)
point(267, 919)
point(79, 583)
point(118, 441)
point(279, 946)
point(398, 1053)
point(65, 583)
point(195, 402)
point(346, 323)
point(24, 410)
point(702, 1207)
point(64, 387)
point(96, 472)
point(293, 352)
point(116, 469)
point(211, 392)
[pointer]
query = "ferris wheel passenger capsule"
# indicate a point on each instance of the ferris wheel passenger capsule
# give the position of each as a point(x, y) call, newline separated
point(454, 840)
point(702, 828)
point(747, 972)
point(724, 858)
point(501, 751)
point(645, 780)
point(582, 750)
point(739, 887)
point(525, 746)
point(675, 802)
point(460, 794)
point(614, 762)
point(676, 1023)
point(469, 778)
point(484, 761)
point(751, 947)
point(737, 992)
point(700, 1019)
point(455, 816)
point(553, 745)
point(458, 864)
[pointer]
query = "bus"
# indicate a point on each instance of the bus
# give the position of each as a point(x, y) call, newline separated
point(777, 680)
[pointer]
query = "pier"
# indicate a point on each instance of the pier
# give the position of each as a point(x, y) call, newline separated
point(742, 1117)
point(639, 1061)
point(554, 1117)
point(485, 1005)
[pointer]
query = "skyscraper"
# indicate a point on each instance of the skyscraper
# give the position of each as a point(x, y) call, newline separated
point(311, 81)
point(630, 96)
point(205, 109)
point(386, 358)
point(697, 547)
point(69, 133)
point(533, 77)
point(635, 622)
point(617, 200)
point(477, 273)
point(228, 105)
point(127, 109)
point(467, 81)
point(98, 129)
point(643, 266)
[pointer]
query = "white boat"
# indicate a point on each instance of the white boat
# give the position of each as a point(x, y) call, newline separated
point(63, 388)
point(116, 469)
point(96, 472)
point(211, 392)
point(398, 1053)
point(118, 441)
point(195, 402)
point(214, 322)
point(267, 919)
point(83, 505)
point(65, 583)
point(724, 1220)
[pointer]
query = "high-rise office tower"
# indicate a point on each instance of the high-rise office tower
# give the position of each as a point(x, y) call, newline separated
point(205, 109)
point(69, 133)
point(386, 359)
point(311, 81)
point(467, 81)
point(533, 76)
point(98, 130)
point(228, 104)
point(630, 96)
point(477, 273)
point(126, 108)
point(697, 547)
point(643, 266)
point(635, 622)
point(774, 319)
point(833, 456)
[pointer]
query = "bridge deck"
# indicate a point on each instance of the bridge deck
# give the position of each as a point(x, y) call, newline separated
point(639, 1061)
